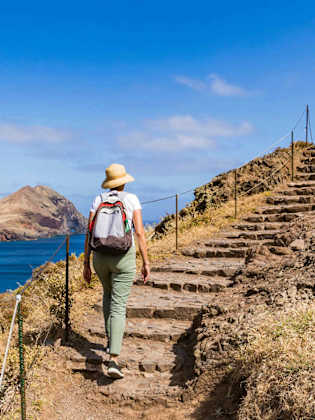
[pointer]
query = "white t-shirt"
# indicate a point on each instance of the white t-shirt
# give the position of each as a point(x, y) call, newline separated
point(131, 203)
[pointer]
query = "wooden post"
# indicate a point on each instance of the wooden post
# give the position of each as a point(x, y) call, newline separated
point(235, 193)
point(67, 291)
point(292, 157)
point(176, 222)
point(306, 127)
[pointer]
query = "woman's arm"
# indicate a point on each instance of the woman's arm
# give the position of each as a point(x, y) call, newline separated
point(140, 235)
point(87, 253)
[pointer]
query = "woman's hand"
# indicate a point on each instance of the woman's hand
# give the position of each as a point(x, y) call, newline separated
point(87, 273)
point(145, 272)
point(140, 235)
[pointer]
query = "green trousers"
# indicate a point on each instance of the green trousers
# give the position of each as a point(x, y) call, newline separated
point(117, 274)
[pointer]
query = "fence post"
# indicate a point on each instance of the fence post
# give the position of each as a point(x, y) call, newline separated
point(176, 222)
point(306, 127)
point(235, 193)
point(21, 356)
point(67, 291)
point(292, 157)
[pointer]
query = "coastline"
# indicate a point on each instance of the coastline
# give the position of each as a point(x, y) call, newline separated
point(19, 258)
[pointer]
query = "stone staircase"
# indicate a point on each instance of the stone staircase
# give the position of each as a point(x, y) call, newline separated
point(158, 349)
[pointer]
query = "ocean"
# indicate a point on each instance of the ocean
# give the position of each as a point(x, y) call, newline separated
point(17, 258)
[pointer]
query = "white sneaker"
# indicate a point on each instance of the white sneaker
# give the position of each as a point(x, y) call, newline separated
point(114, 371)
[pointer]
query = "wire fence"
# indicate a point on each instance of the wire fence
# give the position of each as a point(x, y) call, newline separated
point(17, 312)
point(277, 143)
point(263, 152)
point(41, 335)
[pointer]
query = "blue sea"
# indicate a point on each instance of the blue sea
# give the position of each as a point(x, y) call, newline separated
point(18, 258)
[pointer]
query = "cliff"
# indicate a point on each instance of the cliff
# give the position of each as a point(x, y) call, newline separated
point(38, 212)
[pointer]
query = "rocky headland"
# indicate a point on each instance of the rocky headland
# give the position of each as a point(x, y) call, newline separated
point(38, 212)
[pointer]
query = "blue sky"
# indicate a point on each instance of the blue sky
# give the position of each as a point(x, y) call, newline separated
point(177, 91)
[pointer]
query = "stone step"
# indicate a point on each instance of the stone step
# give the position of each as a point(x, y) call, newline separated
point(237, 243)
point(294, 208)
point(271, 218)
point(142, 389)
point(304, 191)
point(259, 226)
point(215, 252)
point(306, 168)
point(301, 184)
point(279, 250)
point(290, 199)
point(186, 282)
point(308, 161)
point(213, 268)
point(146, 302)
point(136, 355)
point(144, 328)
point(300, 176)
point(259, 235)
point(309, 153)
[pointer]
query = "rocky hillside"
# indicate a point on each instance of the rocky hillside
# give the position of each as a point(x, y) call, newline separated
point(254, 352)
point(259, 175)
point(38, 212)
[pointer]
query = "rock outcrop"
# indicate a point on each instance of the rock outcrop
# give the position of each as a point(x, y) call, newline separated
point(259, 175)
point(38, 212)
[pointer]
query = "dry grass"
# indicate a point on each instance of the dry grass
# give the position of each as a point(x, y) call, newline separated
point(43, 313)
point(278, 364)
point(203, 226)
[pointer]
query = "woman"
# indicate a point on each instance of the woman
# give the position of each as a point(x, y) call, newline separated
point(117, 272)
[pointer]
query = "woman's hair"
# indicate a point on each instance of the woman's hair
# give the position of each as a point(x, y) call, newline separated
point(119, 188)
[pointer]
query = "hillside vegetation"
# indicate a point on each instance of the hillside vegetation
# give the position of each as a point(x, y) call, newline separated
point(262, 364)
point(261, 174)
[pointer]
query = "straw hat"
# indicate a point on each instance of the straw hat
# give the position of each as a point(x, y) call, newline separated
point(116, 175)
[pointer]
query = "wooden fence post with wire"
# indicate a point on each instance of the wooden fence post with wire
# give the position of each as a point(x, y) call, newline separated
point(292, 156)
point(306, 126)
point(176, 222)
point(235, 193)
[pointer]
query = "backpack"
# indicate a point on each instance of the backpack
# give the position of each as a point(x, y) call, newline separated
point(109, 230)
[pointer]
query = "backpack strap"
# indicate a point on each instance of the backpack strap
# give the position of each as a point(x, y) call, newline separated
point(104, 196)
point(119, 194)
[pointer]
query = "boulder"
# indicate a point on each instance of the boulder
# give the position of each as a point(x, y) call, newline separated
point(297, 245)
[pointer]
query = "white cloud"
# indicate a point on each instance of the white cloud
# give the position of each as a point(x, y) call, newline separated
point(26, 134)
point(222, 88)
point(182, 132)
point(206, 126)
point(214, 84)
point(192, 83)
